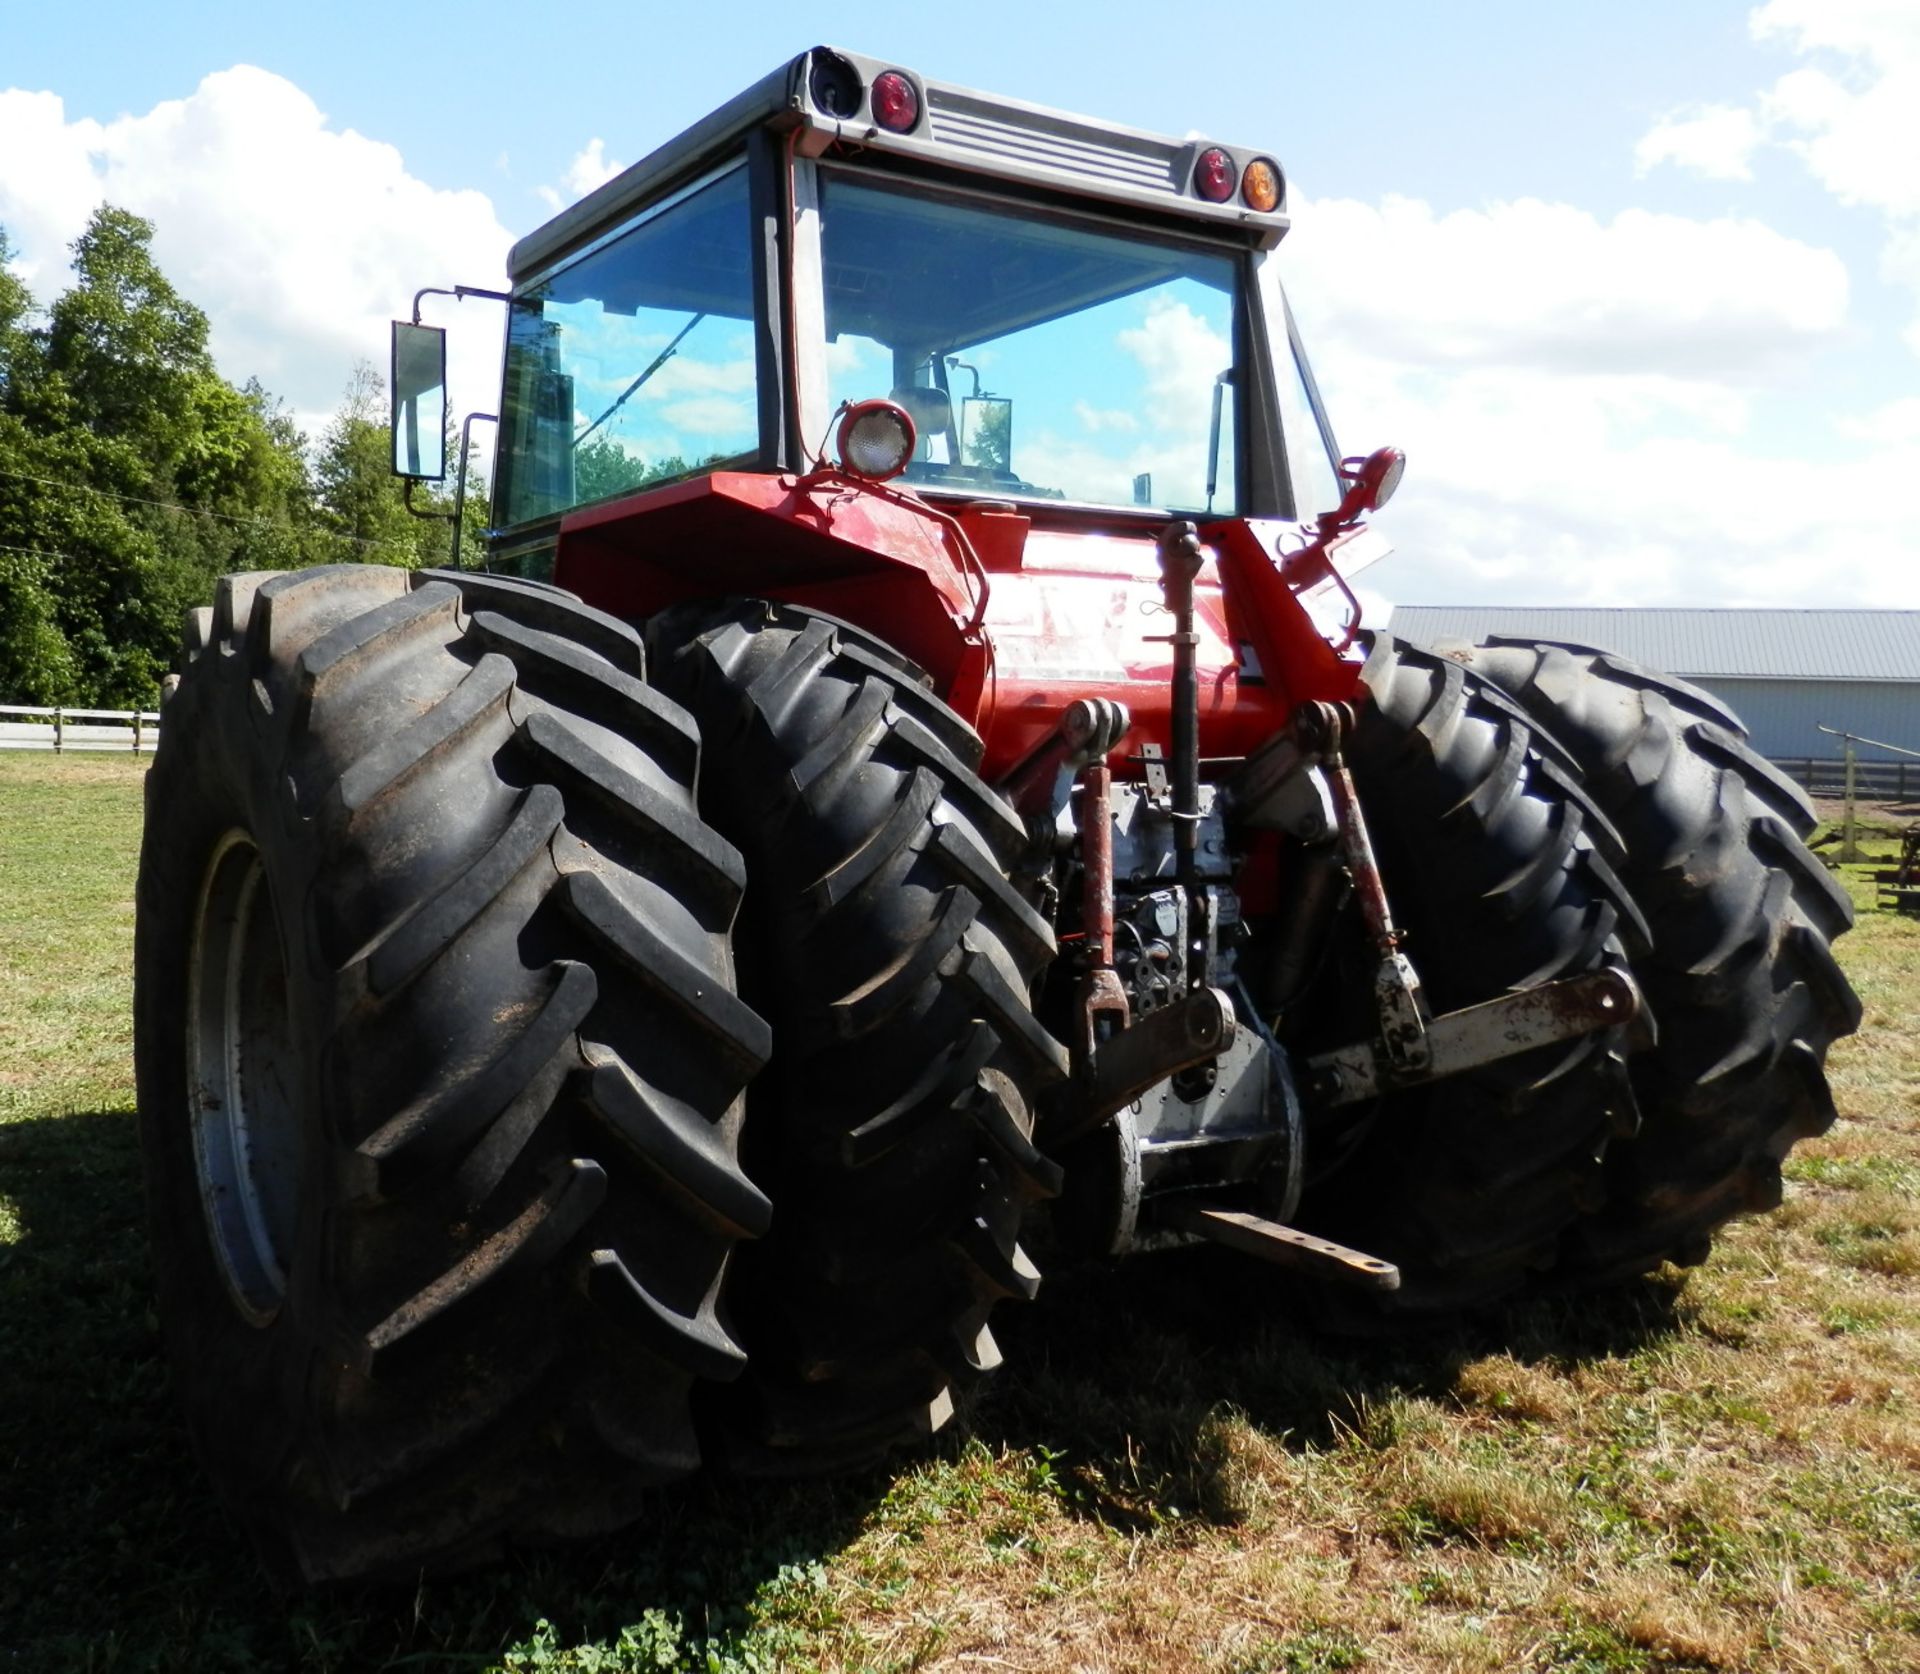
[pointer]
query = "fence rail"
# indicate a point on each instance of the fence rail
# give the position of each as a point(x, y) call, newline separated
point(138, 730)
point(1878, 781)
point(60, 730)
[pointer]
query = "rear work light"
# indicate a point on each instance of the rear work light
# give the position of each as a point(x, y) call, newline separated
point(1260, 185)
point(836, 86)
point(896, 103)
point(1214, 176)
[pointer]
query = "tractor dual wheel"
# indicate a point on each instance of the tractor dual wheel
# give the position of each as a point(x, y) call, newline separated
point(1497, 869)
point(440, 1066)
point(1740, 974)
point(881, 937)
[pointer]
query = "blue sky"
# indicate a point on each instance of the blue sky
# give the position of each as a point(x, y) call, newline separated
point(1636, 285)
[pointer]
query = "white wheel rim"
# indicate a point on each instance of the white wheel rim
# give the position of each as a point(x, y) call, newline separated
point(240, 1079)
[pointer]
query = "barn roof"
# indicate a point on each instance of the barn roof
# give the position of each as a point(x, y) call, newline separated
point(1731, 644)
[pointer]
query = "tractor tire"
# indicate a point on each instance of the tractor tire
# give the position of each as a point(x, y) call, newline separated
point(1740, 973)
point(1497, 872)
point(440, 1068)
point(882, 939)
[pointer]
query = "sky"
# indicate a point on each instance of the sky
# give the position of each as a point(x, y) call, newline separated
point(1636, 286)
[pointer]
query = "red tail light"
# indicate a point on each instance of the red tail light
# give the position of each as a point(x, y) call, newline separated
point(1214, 176)
point(896, 103)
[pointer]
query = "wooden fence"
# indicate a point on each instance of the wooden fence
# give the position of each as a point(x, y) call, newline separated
point(138, 730)
point(60, 730)
point(1877, 781)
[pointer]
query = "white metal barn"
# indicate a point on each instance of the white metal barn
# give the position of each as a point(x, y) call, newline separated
point(1785, 673)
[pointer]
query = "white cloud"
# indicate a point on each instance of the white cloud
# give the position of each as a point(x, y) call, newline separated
point(1585, 406)
point(301, 240)
point(713, 418)
point(590, 168)
point(1554, 288)
point(1856, 124)
point(1717, 142)
point(1180, 355)
point(1165, 435)
point(1097, 419)
point(690, 375)
point(1852, 118)
point(1885, 33)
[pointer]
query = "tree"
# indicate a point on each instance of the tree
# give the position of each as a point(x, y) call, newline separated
point(130, 350)
point(131, 476)
point(16, 303)
point(362, 501)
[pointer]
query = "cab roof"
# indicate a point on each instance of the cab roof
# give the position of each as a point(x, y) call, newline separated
point(824, 97)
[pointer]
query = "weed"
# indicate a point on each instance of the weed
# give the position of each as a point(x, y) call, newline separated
point(1317, 1651)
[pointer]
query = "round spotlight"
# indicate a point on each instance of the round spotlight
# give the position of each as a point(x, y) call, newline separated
point(1260, 186)
point(875, 439)
point(1370, 484)
point(1214, 175)
point(1387, 474)
point(896, 102)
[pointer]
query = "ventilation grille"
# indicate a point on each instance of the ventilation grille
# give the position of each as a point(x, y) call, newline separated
point(1044, 140)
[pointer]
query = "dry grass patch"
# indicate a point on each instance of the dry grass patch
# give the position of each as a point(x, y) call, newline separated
point(1717, 1470)
point(1676, 1626)
point(1503, 1386)
point(1433, 1498)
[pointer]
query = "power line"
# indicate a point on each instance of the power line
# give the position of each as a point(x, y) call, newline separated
point(190, 511)
point(41, 552)
point(77, 558)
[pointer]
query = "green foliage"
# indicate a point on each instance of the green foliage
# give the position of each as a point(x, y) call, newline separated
point(358, 497)
point(132, 476)
point(990, 442)
point(604, 468)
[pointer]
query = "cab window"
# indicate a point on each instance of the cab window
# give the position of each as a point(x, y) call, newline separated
point(634, 364)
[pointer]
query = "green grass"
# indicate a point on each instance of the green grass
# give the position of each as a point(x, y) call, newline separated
point(1719, 1470)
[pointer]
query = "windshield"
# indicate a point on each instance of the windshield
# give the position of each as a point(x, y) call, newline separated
point(1038, 358)
point(635, 363)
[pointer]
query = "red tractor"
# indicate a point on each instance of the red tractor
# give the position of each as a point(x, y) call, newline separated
point(907, 788)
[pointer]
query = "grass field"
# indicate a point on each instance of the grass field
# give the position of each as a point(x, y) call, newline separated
point(1719, 1470)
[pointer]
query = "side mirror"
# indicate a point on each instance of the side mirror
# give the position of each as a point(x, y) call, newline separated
point(1370, 485)
point(986, 433)
point(419, 386)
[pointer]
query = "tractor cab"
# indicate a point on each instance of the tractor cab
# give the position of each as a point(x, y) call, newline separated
point(1078, 319)
point(1048, 329)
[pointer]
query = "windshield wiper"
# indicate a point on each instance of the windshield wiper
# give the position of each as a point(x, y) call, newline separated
point(1213, 439)
point(658, 361)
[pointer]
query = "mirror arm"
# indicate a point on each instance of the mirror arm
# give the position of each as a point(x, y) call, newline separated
point(459, 293)
point(406, 499)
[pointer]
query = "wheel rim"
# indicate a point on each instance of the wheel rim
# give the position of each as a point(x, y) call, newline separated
point(240, 1079)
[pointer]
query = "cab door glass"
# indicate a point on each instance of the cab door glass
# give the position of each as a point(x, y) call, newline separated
point(635, 364)
point(1310, 465)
